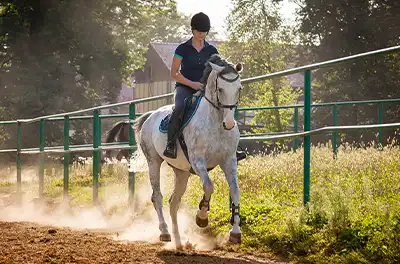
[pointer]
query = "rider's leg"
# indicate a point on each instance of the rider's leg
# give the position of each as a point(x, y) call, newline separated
point(176, 119)
point(173, 127)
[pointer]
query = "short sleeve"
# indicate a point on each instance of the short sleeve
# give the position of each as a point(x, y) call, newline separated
point(179, 52)
point(214, 50)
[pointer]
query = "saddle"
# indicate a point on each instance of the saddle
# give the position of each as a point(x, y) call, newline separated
point(191, 106)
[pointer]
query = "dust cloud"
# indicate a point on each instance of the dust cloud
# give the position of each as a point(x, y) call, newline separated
point(136, 222)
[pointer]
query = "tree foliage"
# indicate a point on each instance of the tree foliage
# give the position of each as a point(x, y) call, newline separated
point(334, 29)
point(260, 38)
point(58, 56)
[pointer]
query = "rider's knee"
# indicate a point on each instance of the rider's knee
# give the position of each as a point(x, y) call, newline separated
point(179, 106)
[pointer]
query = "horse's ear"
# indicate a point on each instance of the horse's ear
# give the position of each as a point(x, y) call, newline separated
point(216, 67)
point(239, 67)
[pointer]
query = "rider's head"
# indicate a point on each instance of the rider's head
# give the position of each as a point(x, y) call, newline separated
point(200, 24)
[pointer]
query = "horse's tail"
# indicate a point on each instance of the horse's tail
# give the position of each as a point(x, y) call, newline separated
point(112, 133)
point(138, 123)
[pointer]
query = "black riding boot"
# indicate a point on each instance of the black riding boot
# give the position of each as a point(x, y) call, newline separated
point(173, 127)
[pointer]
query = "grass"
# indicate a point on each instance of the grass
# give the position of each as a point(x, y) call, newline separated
point(353, 216)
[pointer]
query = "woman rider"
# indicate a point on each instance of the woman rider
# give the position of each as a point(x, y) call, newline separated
point(190, 57)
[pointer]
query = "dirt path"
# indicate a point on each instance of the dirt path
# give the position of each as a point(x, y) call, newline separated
point(22, 242)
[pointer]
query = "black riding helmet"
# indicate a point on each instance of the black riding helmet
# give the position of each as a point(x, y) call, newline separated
point(200, 22)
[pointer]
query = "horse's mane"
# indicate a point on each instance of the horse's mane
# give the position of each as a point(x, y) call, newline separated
point(218, 60)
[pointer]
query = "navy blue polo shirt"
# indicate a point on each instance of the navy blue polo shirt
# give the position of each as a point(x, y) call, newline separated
point(192, 65)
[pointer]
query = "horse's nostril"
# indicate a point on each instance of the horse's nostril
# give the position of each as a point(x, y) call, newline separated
point(229, 127)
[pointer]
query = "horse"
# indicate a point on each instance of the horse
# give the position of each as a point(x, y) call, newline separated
point(211, 138)
point(119, 131)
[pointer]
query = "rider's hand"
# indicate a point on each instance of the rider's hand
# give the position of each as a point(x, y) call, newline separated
point(197, 85)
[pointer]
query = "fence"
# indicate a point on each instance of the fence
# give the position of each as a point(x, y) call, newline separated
point(335, 121)
point(96, 147)
point(307, 106)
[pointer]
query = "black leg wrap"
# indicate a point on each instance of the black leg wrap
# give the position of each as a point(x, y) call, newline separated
point(204, 203)
point(235, 211)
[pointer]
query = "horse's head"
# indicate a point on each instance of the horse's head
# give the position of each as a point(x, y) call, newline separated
point(223, 87)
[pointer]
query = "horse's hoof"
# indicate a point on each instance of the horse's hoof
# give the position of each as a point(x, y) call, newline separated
point(201, 222)
point(165, 237)
point(179, 248)
point(235, 238)
point(189, 246)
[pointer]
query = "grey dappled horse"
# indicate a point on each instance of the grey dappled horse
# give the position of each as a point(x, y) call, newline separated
point(212, 138)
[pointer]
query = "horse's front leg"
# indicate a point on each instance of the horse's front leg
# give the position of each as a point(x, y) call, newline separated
point(230, 170)
point(200, 167)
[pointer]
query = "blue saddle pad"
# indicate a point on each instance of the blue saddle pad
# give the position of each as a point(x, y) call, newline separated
point(190, 110)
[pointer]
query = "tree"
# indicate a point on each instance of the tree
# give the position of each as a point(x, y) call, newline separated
point(58, 56)
point(261, 39)
point(334, 29)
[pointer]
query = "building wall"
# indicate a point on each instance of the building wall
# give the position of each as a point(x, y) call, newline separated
point(154, 70)
point(144, 90)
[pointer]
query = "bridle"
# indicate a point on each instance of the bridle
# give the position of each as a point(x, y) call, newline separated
point(219, 105)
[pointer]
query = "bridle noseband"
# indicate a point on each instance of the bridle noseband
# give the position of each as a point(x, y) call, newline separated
point(219, 105)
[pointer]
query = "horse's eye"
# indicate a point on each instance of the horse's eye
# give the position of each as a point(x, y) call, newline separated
point(220, 90)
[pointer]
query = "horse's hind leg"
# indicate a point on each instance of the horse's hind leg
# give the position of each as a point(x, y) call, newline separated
point(181, 180)
point(156, 198)
point(154, 163)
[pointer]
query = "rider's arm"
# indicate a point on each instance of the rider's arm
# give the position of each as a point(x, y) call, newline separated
point(178, 77)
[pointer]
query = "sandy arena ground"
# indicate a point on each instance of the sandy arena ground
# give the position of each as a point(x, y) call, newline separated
point(24, 242)
point(50, 231)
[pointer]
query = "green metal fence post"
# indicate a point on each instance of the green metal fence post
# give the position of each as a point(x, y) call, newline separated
point(96, 156)
point(66, 157)
point(19, 166)
point(132, 142)
point(41, 161)
point(334, 134)
point(307, 140)
point(295, 128)
point(380, 120)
